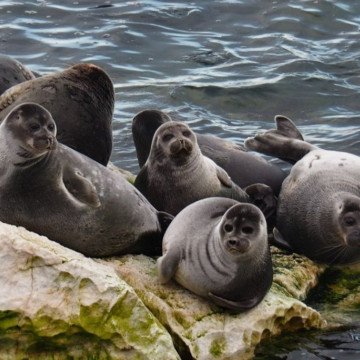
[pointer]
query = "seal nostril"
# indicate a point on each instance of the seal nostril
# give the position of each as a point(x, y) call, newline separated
point(247, 230)
point(232, 242)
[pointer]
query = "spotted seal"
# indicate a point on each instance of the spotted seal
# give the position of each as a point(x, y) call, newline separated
point(80, 99)
point(55, 191)
point(318, 211)
point(218, 249)
point(243, 167)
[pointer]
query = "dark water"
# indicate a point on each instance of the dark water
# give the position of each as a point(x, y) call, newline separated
point(225, 67)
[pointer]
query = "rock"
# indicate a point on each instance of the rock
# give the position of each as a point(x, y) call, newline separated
point(202, 330)
point(56, 303)
point(338, 296)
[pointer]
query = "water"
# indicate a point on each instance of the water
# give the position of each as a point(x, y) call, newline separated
point(225, 67)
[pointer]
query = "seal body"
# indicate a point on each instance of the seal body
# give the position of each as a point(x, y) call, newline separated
point(243, 167)
point(176, 174)
point(318, 211)
point(12, 72)
point(81, 101)
point(55, 191)
point(218, 249)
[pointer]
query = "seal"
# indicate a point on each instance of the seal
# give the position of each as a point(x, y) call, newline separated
point(12, 72)
point(318, 212)
point(243, 167)
point(176, 174)
point(218, 249)
point(80, 99)
point(57, 192)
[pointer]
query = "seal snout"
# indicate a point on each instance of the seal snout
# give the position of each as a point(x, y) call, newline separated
point(238, 245)
point(353, 239)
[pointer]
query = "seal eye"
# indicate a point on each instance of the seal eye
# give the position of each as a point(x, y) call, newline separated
point(349, 221)
point(34, 127)
point(187, 133)
point(51, 127)
point(228, 228)
point(247, 230)
point(167, 137)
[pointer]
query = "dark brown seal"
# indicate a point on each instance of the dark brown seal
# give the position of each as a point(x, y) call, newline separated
point(80, 99)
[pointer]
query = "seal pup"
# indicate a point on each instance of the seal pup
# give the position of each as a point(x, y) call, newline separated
point(176, 174)
point(55, 191)
point(243, 167)
point(80, 99)
point(318, 212)
point(218, 249)
point(12, 72)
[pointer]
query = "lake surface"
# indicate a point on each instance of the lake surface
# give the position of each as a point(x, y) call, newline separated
point(225, 67)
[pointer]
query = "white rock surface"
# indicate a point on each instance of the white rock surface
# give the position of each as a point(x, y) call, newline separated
point(56, 303)
point(204, 331)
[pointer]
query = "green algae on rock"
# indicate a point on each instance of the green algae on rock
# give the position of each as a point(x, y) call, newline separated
point(202, 330)
point(56, 303)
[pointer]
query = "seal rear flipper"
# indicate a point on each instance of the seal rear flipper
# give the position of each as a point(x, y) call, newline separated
point(81, 188)
point(167, 265)
point(263, 197)
point(242, 305)
point(280, 242)
point(285, 142)
point(164, 220)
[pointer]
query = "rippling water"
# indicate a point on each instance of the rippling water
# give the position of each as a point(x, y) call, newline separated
point(226, 67)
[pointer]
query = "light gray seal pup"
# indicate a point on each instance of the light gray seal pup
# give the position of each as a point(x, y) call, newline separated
point(81, 101)
point(55, 191)
point(176, 174)
point(12, 72)
point(318, 211)
point(218, 249)
point(243, 167)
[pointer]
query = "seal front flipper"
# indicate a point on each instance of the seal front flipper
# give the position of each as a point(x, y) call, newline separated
point(223, 177)
point(263, 197)
point(168, 264)
point(81, 188)
point(242, 305)
point(280, 242)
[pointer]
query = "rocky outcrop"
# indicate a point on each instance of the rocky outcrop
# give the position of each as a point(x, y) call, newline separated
point(56, 303)
point(202, 330)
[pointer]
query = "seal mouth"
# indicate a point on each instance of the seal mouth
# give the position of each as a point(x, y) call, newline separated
point(238, 246)
point(181, 148)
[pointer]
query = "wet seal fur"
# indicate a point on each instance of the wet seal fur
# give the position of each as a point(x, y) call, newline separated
point(243, 167)
point(318, 211)
point(12, 72)
point(176, 174)
point(55, 191)
point(218, 249)
point(81, 101)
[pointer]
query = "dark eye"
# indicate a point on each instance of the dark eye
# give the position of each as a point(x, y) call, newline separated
point(167, 137)
point(51, 127)
point(186, 133)
point(247, 230)
point(349, 221)
point(34, 127)
point(228, 228)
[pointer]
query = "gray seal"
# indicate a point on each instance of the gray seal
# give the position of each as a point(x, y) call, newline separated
point(55, 191)
point(12, 72)
point(218, 249)
point(176, 173)
point(243, 167)
point(81, 101)
point(318, 211)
